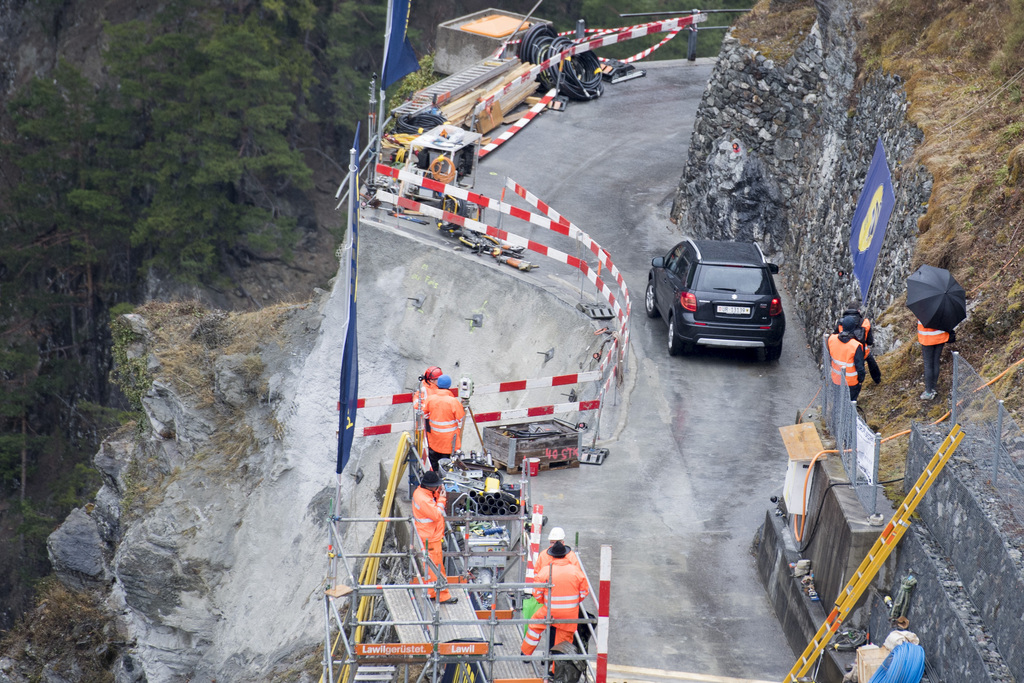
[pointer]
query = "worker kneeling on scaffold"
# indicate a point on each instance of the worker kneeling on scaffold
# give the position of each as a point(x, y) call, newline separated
point(563, 599)
point(428, 504)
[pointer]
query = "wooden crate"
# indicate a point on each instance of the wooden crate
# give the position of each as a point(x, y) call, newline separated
point(869, 658)
point(555, 443)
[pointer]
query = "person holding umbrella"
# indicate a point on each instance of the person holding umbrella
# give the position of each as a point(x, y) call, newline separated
point(940, 304)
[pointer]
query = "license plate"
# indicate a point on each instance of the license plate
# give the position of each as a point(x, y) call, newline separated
point(734, 310)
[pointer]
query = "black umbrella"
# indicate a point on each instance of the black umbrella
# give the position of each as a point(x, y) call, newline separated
point(937, 300)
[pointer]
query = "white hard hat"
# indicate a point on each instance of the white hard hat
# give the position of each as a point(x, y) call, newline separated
point(556, 534)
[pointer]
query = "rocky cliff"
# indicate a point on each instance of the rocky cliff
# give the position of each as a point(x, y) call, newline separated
point(780, 152)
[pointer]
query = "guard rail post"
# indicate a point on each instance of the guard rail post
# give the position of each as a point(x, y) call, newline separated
point(874, 474)
point(999, 442)
point(953, 392)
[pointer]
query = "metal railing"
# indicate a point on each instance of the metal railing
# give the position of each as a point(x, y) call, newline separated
point(997, 443)
point(857, 444)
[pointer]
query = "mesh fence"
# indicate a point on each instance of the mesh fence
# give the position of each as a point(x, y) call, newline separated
point(997, 444)
point(858, 446)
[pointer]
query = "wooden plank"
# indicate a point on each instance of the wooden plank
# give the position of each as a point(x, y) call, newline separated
point(802, 441)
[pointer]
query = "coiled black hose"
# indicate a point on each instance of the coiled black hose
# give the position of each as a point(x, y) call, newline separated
point(418, 123)
point(580, 77)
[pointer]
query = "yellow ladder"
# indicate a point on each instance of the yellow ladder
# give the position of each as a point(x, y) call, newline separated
point(880, 551)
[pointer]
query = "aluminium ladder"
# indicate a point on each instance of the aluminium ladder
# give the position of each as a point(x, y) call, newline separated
point(878, 554)
point(455, 85)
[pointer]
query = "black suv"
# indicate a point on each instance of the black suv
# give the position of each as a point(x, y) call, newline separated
point(717, 294)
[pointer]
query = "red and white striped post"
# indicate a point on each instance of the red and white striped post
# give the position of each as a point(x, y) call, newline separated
point(536, 522)
point(603, 596)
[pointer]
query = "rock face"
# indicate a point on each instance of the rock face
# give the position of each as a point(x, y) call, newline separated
point(779, 154)
point(209, 535)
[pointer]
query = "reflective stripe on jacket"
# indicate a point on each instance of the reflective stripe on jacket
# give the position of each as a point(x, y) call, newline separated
point(847, 360)
point(568, 588)
point(929, 337)
point(445, 413)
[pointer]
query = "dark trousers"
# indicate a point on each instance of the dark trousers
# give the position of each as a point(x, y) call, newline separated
point(931, 356)
point(435, 458)
point(854, 392)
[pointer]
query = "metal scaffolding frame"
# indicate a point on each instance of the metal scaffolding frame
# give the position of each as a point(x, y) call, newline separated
point(378, 630)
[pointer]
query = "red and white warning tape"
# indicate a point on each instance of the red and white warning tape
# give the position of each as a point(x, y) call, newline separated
point(498, 388)
point(498, 416)
point(647, 53)
point(603, 599)
point(518, 125)
point(556, 224)
point(601, 40)
point(510, 238)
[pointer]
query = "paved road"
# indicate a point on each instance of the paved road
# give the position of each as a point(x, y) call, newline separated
point(690, 473)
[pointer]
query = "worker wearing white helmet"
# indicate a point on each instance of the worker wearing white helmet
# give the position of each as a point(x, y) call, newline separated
point(556, 534)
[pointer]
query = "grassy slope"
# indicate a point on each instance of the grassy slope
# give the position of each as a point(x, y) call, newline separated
point(963, 67)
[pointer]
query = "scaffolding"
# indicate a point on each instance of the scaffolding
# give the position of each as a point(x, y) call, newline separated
point(380, 626)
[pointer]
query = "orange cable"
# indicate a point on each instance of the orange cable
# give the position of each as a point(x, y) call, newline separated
point(803, 518)
point(809, 404)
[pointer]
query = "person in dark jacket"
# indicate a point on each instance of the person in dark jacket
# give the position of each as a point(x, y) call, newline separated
point(847, 355)
point(852, 319)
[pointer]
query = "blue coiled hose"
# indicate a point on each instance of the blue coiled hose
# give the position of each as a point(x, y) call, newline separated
point(905, 664)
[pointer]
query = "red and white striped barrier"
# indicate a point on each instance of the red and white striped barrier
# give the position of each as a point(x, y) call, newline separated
point(498, 416)
point(604, 258)
point(603, 598)
point(497, 388)
point(536, 527)
point(558, 225)
point(647, 53)
point(601, 40)
point(518, 125)
point(509, 238)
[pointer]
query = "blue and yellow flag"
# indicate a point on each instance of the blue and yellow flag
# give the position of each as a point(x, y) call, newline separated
point(871, 219)
point(349, 399)
point(399, 57)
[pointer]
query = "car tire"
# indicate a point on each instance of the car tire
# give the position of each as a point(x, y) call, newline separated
point(675, 344)
point(650, 303)
point(773, 353)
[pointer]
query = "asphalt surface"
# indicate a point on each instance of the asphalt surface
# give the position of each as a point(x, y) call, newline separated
point(695, 452)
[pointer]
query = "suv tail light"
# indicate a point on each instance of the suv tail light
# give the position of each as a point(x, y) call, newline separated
point(776, 306)
point(689, 302)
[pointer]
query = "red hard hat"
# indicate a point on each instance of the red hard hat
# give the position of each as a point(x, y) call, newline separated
point(432, 373)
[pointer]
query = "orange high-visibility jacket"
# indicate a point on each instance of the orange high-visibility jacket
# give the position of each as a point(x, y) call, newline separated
point(544, 559)
point(428, 514)
point(568, 589)
point(847, 359)
point(929, 337)
point(445, 413)
point(426, 390)
point(866, 340)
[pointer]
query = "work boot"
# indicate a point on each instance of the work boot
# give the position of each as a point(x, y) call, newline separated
point(928, 395)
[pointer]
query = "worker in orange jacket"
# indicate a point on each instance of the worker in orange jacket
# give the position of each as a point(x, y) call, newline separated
point(854, 321)
point(444, 415)
point(428, 510)
point(427, 388)
point(563, 599)
point(847, 356)
point(556, 535)
point(931, 342)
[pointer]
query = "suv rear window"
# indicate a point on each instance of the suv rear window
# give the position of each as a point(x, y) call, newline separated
point(735, 279)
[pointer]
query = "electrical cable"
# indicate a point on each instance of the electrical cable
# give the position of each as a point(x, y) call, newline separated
point(905, 664)
point(577, 77)
point(821, 504)
point(418, 123)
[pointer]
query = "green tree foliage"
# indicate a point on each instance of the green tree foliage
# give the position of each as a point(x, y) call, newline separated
point(216, 95)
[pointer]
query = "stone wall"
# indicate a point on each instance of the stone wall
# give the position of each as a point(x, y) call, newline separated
point(980, 542)
point(779, 154)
